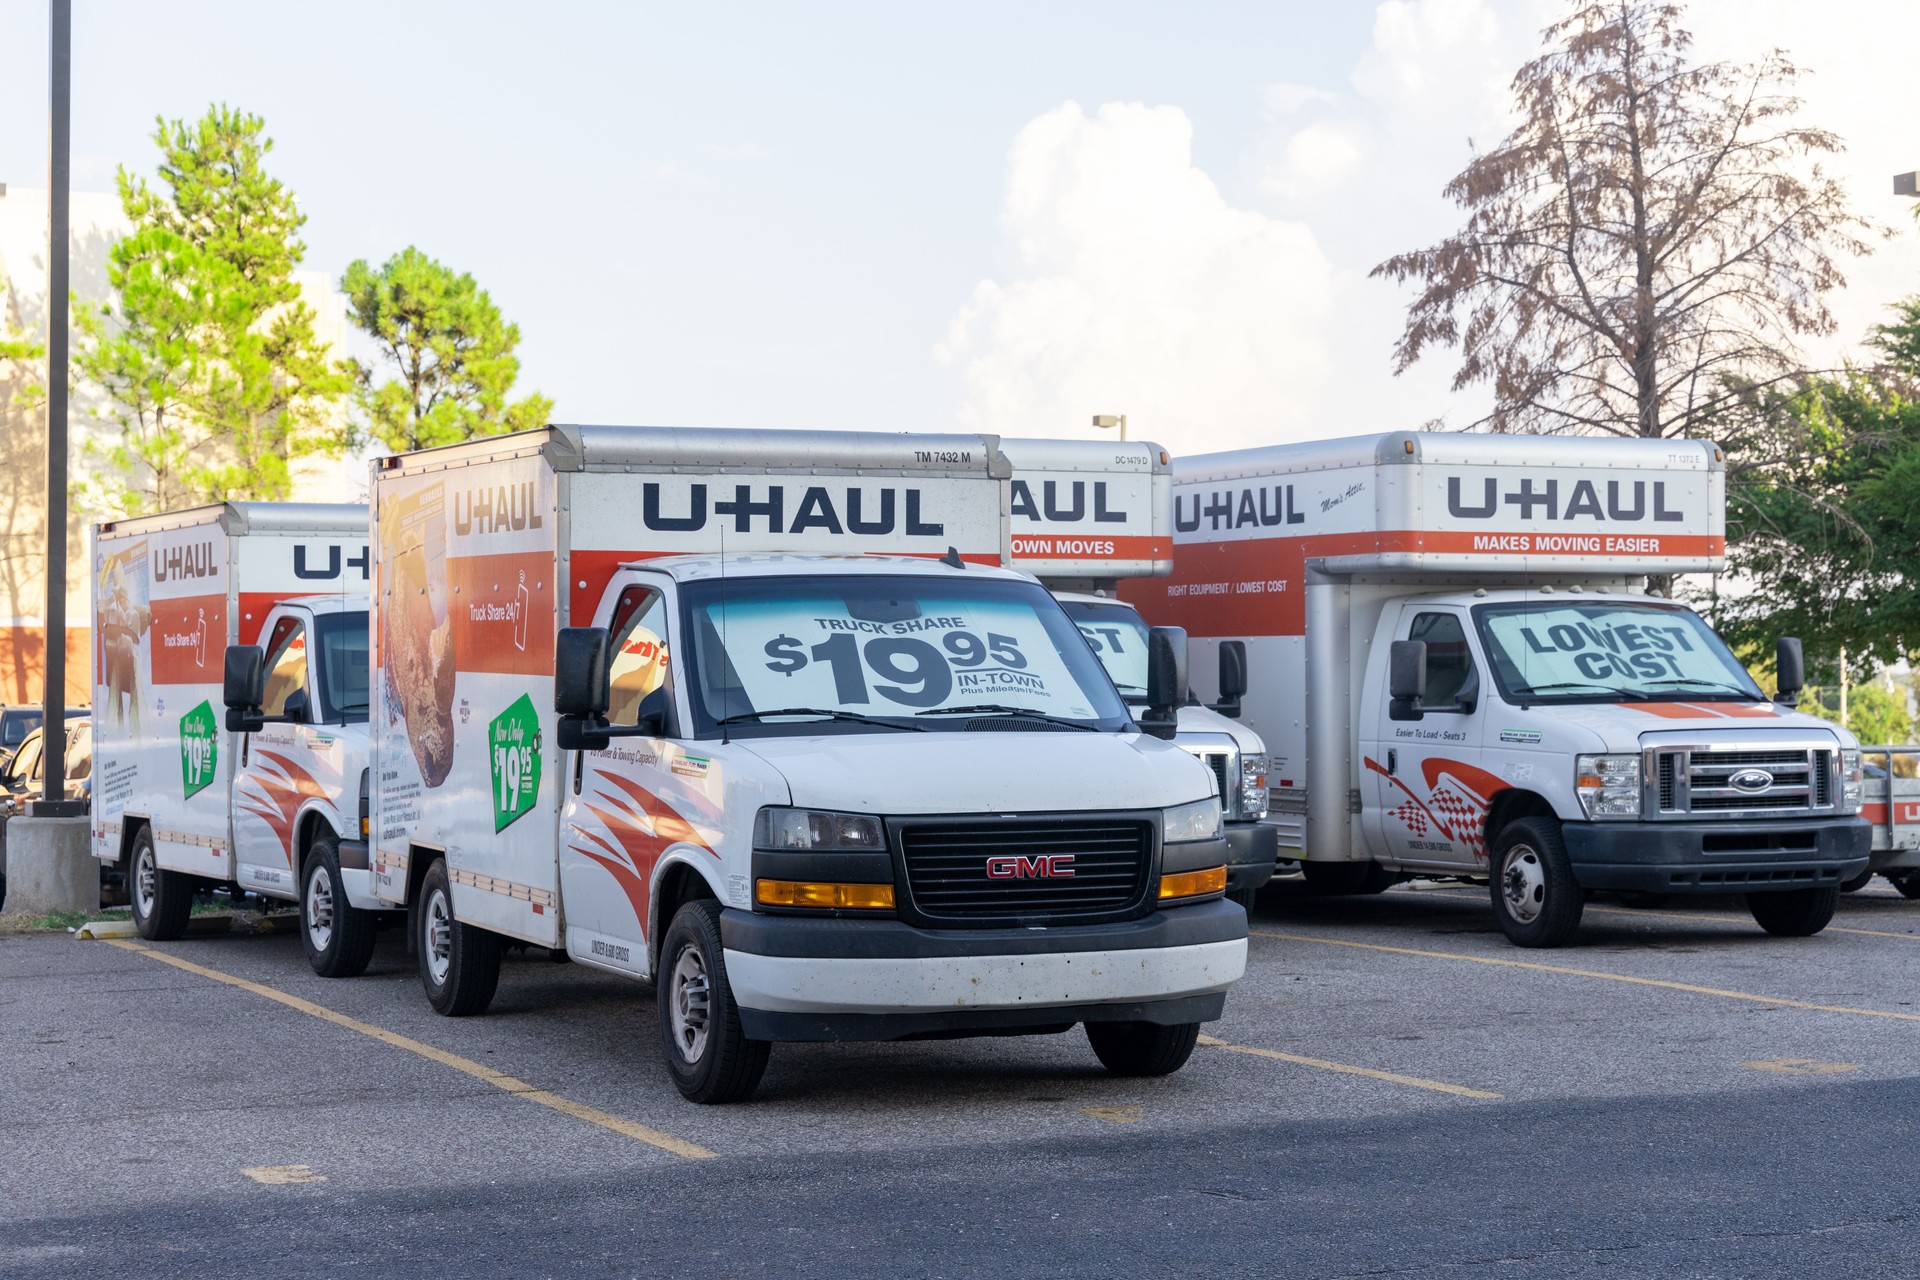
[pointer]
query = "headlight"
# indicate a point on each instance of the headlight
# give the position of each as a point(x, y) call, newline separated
point(1852, 778)
point(1253, 787)
point(1197, 821)
point(1609, 786)
point(815, 830)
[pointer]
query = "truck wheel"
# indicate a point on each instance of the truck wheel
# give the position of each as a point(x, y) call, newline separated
point(1142, 1048)
point(162, 900)
point(1794, 913)
point(1247, 898)
point(1535, 896)
point(709, 1056)
point(459, 964)
point(338, 936)
point(1908, 884)
point(1856, 884)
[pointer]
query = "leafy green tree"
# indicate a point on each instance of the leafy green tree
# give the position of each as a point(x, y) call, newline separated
point(1875, 712)
point(16, 349)
point(208, 354)
point(452, 352)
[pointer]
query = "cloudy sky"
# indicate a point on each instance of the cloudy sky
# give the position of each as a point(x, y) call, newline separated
point(994, 215)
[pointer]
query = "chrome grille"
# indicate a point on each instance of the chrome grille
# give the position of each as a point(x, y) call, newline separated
point(1697, 780)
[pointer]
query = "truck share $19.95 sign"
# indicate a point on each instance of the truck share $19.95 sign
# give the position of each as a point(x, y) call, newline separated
point(513, 741)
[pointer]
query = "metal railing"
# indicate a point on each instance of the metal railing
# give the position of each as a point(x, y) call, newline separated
point(1897, 824)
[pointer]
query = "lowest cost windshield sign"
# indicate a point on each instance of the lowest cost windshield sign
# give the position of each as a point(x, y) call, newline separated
point(814, 653)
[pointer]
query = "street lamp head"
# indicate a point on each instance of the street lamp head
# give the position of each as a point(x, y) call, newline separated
point(1108, 420)
point(1906, 184)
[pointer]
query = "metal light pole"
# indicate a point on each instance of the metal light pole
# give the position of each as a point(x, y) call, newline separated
point(1110, 421)
point(53, 703)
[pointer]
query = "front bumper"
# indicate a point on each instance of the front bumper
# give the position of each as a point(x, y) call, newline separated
point(1253, 848)
point(800, 978)
point(1717, 857)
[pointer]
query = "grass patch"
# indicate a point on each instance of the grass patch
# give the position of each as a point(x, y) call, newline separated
point(12, 922)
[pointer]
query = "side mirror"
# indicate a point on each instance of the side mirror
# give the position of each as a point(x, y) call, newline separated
point(578, 733)
point(1233, 677)
point(1166, 681)
point(581, 684)
point(243, 684)
point(1791, 664)
point(295, 709)
point(1406, 679)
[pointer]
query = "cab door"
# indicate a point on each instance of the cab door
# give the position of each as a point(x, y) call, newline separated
point(284, 767)
point(622, 805)
point(1426, 785)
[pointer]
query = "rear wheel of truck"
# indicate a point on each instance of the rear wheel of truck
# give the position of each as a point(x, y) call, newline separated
point(337, 935)
point(1142, 1048)
point(709, 1056)
point(162, 900)
point(459, 964)
point(1794, 913)
point(1856, 884)
point(1535, 896)
point(1908, 884)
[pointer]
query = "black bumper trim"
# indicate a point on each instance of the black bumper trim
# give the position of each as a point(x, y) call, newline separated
point(353, 855)
point(1671, 857)
point(1253, 851)
point(807, 938)
point(759, 1024)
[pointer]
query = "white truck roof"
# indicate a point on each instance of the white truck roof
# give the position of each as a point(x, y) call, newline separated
point(701, 568)
point(1090, 511)
point(237, 519)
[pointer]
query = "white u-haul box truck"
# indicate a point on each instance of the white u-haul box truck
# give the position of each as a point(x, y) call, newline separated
point(1087, 515)
point(1459, 673)
point(179, 800)
point(647, 696)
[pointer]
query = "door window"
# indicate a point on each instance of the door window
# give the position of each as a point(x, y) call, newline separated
point(1450, 678)
point(639, 671)
point(286, 665)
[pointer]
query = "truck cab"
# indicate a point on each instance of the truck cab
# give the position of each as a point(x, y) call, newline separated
point(301, 779)
point(1232, 752)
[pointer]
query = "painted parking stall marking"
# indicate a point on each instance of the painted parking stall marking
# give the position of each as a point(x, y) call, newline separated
point(1346, 1068)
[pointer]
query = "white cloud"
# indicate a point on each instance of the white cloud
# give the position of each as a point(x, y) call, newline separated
point(1140, 290)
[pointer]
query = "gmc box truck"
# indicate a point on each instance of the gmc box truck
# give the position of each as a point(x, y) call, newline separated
point(181, 801)
point(1459, 672)
point(1087, 515)
point(754, 715)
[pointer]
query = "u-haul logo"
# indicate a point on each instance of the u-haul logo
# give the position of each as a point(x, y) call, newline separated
point(1252, 507)
point(506, 508)
point(776, 509)
point(1540, 500)
point(1063, 503)
point(326, 565)
point(192, 560)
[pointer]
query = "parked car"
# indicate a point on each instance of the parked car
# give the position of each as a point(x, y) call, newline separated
point(17, 722)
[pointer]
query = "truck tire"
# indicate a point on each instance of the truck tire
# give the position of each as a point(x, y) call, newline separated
point(338, 936)
point(459, 963)
point(1142, 1048)
point(1334, 878)
point(1856, 884)
point(1908, 883)
point(162, 900)
point(1794, 913)
point(1247, 898)
point(1535, 895)
point(708, 1055)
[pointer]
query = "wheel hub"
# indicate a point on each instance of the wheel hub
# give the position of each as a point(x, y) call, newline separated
point(439, 937)
point(1523, 884)
point(689, 1004)
point(320, 907)
point(144, 877)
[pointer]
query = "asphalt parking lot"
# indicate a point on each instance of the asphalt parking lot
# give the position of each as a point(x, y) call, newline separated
point(1394, 1090)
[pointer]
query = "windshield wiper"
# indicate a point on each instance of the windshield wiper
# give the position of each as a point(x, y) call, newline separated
point(1746, 695)
point(852, 717)
point(1001, 709)
point(1631, 695)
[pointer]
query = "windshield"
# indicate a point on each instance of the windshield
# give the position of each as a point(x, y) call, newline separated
point(1609, 651)
point(342, 640)
point(1117, 634)
point(898, 650)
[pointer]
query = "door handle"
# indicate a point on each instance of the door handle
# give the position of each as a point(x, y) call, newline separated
point(1393, 762)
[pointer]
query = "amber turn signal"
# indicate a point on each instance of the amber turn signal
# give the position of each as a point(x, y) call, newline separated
point(1189, 884)
point(844, 897)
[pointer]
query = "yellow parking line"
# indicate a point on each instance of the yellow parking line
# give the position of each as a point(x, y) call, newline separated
point(1593, 973)
point(478, 1070)
point(1344, 1068)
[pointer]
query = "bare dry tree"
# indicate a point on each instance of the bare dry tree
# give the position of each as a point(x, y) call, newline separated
point(1645, 246)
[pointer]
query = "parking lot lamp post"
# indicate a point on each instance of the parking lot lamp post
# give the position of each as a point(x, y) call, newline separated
point(1110, 421)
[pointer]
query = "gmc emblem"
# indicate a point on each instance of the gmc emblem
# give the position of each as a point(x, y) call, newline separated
point(1046, 866)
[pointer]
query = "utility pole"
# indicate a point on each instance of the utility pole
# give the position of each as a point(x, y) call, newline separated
point(53, 802)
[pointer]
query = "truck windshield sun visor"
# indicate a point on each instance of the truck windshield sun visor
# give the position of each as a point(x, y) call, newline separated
point(852, 653)
point(1609, 651)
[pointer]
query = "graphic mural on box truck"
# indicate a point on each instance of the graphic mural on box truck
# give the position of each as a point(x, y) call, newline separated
point(464, 646)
